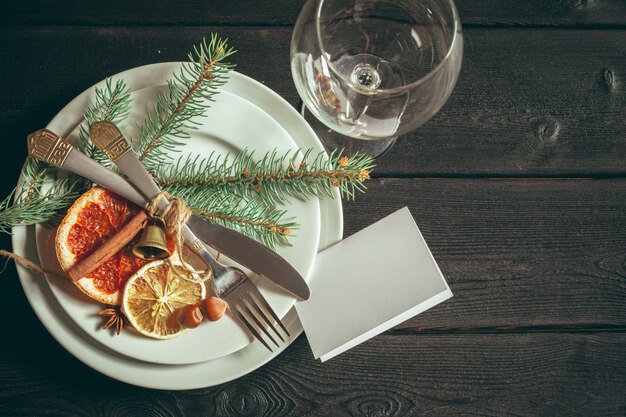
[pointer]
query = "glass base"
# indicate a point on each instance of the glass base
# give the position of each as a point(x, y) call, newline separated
point(333, 140)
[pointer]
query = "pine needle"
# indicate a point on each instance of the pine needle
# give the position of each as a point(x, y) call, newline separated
point(32, 205)
point(188, 97)
point(274, 178)
point(249, 217)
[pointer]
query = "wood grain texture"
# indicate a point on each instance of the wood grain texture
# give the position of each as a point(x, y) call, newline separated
point(391, 376)
point(538, 266)
point(528, 102)
point(285, 12)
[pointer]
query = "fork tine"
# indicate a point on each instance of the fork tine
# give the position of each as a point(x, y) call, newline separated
point(247, 303)
point(260, 299)
point(251, 328)
point(260, 312)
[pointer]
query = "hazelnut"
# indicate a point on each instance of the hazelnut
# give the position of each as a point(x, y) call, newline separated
point(213, 307)
point(190, 316)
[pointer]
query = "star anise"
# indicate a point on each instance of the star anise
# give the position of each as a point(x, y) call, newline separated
point(115, 318)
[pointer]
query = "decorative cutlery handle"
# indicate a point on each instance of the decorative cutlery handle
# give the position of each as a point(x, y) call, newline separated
point(49, 147)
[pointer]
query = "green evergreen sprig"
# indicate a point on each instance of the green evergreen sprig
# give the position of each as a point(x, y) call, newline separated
point(33, 204)
point(188, 96)
point(274, 178)
point(249, 217)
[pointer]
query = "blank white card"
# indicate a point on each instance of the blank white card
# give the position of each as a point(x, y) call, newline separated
point(369, 283)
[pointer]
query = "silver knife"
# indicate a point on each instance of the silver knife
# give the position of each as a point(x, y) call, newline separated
point(48, 147)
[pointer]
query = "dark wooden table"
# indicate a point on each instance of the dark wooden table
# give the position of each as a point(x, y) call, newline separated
point(518, 184)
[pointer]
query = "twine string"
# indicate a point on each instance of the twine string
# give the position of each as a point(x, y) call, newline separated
point(25, 262)
point(175, 215)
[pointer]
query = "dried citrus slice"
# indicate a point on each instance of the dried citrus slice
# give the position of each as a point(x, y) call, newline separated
point(153, 297)
point(94, 217)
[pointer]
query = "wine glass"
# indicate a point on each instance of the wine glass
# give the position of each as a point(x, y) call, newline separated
point(370, 70)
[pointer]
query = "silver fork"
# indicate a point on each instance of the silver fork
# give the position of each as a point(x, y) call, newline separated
point(246, 302)
point(229, 283)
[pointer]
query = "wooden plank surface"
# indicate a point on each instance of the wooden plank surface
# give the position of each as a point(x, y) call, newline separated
point(518, 186)
point(396, 376)
point(529, 102)
point(284, 12)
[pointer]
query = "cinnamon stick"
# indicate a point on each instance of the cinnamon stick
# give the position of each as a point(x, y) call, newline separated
point(109, 248)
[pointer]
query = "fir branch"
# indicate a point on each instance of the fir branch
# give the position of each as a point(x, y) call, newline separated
point(188, 96)
point(33, 172)
point(32, 205)
point(275, 178)
point(246, 216)
point(111, 103)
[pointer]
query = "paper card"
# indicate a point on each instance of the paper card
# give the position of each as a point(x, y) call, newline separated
point(369, 283)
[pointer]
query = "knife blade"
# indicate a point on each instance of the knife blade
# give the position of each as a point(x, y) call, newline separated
point(48, 147)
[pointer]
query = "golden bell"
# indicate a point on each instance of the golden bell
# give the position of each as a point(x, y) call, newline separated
point(151, 245)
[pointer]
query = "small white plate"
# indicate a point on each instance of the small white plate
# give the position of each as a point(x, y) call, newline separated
point(230, 125)
point(174, 377)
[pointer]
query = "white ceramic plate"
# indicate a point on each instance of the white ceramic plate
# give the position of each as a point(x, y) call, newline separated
point(202, 374)
point(231, 125)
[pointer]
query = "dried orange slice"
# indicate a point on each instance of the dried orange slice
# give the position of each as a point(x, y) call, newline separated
point(94, 217)
point(153, 297)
